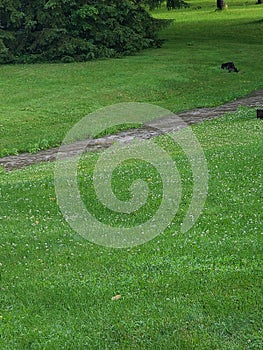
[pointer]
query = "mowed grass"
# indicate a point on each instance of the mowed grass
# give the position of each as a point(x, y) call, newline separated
point(40, 103)
point(197, 290)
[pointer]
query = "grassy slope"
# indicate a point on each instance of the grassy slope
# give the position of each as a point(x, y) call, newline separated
point(199, 290)
point(39, 103)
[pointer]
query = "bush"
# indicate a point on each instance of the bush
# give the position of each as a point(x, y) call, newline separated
point(68, 30)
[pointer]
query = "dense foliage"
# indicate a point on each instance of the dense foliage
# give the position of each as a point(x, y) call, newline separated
point(170, 4)
point(73, 30)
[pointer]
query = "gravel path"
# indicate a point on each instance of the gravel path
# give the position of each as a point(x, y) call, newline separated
point(166, 124)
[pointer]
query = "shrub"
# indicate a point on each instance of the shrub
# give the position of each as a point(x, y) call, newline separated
point(71, 30)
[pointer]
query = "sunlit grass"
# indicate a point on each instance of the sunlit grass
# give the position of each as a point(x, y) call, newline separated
point(40, 103)
point(198, 290)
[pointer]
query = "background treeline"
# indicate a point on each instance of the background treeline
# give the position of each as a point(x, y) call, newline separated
point(74, 30)
point(170, 4)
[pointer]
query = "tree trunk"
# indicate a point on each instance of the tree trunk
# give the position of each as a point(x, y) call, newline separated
point(259, 2)
point(221, 4)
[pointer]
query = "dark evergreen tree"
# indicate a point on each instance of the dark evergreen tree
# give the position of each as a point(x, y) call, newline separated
point(73, 30)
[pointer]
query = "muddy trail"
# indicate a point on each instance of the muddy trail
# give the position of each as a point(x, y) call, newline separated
point(152, 129)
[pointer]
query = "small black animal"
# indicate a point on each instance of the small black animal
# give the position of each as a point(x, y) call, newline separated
point(230, 67)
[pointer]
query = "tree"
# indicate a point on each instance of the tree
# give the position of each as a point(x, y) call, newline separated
point(173, 4)
point(68, 30)
point(220, 4)
point(152, 4)
point(170, 4)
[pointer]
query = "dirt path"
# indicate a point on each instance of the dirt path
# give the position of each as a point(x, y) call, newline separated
point(194, 116)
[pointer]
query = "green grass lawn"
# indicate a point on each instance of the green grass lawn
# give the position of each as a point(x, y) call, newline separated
point(197, 290)
point(39, 103)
